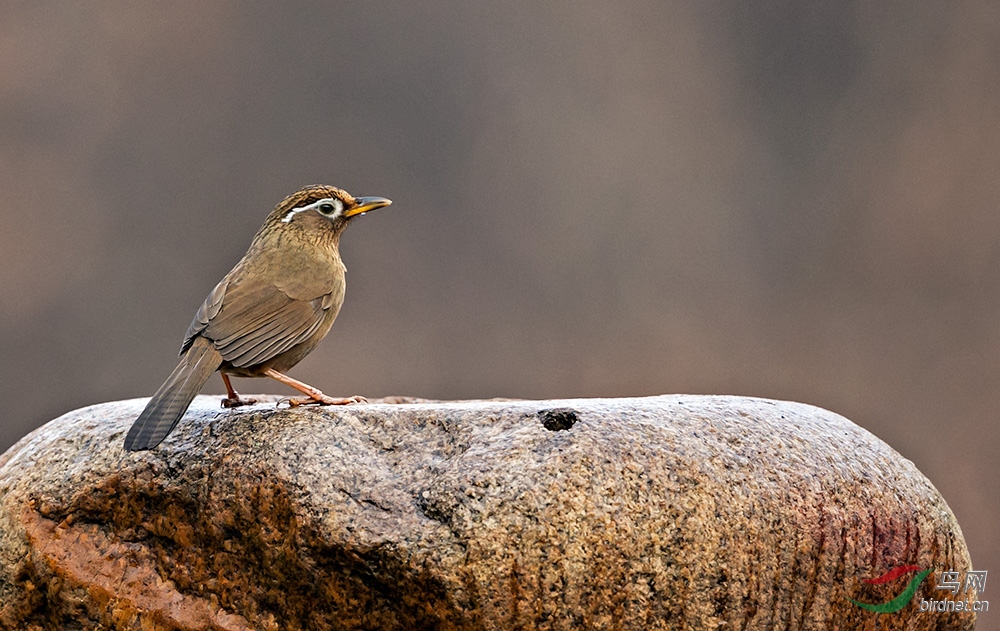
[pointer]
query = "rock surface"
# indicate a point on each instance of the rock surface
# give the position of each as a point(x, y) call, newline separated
point(672, 512)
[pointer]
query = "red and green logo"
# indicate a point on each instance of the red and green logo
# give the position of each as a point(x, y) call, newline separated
point(904, 597)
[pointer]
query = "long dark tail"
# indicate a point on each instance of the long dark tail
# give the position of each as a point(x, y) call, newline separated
point(175, 395)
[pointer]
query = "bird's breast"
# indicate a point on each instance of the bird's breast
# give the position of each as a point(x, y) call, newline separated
point(302, 269)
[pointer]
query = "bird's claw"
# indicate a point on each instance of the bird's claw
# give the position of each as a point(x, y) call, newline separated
point(323, 399)
point(237, 402)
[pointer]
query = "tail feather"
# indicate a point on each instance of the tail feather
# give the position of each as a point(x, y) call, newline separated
point(170, 402)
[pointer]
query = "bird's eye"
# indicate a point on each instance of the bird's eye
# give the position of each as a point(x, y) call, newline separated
point(331, 208)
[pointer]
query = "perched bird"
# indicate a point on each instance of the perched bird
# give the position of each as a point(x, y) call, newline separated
point(268, 313)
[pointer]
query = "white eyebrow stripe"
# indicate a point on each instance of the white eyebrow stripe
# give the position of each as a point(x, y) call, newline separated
point(312, 206)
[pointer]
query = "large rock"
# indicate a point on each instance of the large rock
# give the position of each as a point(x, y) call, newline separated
point(672, 512)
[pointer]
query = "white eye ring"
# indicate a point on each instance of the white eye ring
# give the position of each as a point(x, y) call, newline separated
point(331, 207)
point(328, 207)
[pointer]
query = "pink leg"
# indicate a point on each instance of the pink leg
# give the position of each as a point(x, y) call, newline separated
point(315, 396)
point(234, 400)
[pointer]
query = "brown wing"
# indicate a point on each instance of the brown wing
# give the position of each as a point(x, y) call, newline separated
point(208, 310)
point(253, 321)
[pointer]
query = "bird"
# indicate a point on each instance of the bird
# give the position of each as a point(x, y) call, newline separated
point(270, 311)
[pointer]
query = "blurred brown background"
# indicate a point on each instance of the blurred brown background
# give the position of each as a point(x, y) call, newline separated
point(781, 199)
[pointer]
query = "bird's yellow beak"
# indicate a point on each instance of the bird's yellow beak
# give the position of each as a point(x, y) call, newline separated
point(366, 204)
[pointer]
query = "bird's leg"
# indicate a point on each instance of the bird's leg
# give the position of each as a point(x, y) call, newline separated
point(233, 400)
point(315, 396)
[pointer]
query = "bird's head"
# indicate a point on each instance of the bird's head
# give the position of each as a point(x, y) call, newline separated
point(322, 209)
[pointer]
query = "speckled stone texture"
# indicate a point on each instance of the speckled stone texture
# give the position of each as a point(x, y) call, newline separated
point(672, 512)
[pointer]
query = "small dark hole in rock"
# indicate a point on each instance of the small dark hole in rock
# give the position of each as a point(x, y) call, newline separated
point(558, 419)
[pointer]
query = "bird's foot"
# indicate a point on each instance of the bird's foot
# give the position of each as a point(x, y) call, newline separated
point(235, 402)
point(321, 399)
